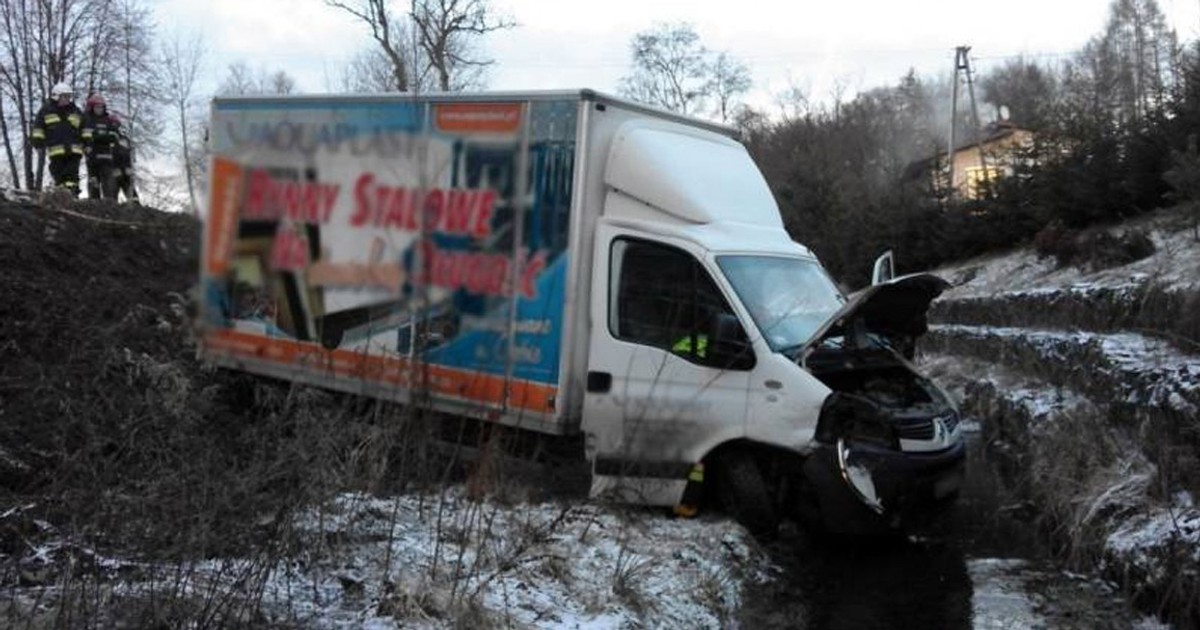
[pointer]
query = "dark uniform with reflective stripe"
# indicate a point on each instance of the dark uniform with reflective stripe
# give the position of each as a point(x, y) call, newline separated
point(123, 165)
point(56, 128)
point(99, 140)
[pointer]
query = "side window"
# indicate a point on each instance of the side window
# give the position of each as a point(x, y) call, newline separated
point(661, 296)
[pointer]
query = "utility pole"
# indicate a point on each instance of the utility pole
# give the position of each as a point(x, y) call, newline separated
point(953, 124)
point(962, 63)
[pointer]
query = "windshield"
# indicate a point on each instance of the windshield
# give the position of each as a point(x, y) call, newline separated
point(789, 298)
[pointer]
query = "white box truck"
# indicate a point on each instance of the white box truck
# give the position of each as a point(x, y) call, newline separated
point(570, 263)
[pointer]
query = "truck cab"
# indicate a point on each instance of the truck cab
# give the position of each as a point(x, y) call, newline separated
point(718, 341)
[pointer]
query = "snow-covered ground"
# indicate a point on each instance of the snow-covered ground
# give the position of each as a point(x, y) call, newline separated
point(1074, 368)
point(539, 566)
point(1013, 594)
point(1142, 370)
point(435, 561)
point(447, 561)
point(1145, 529)
point(1143, 540)
point(1175, 265)
point(1039, 401)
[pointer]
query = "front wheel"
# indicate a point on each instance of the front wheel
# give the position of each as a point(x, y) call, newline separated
point(743, 494)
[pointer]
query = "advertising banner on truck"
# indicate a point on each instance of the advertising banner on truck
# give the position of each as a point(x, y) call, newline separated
point(395, 242)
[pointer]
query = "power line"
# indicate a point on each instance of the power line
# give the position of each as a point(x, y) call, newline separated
point(779, 58)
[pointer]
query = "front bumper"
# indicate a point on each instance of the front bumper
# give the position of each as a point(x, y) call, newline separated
point(862, 488)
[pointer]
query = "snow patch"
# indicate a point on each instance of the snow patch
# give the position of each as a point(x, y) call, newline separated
point(1039, 400)
point(1146, 539)
point(1000, 600)
point(16, 196)
point(423, 559)
point(441, 561)
point(1174, 266)
point(1149, 623)
point(1149, 371)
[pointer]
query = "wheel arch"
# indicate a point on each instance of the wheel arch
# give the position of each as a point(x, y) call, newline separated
point(779, 466)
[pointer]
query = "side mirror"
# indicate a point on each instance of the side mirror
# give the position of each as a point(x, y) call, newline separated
point(728, 347)
point(885, 268)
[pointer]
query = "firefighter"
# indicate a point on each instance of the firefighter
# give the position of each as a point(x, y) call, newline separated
point(99, 140)
point(123, 162)
point(56, 129)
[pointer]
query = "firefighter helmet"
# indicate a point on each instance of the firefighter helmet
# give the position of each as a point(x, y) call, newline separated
point(60, 89)
point(94, 100)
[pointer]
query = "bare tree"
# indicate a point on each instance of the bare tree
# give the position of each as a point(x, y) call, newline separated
point(433, 44)
point(1145, 49)
point(182, 61)
point(446, 31)
point(281, 82)
point(97, 48)
point(241, 80)
point(730, 79)
point(673, 70)
point(793, 101)
point(12, 161)
point(389, 32)
point(131, 76)
point(92, 45)
point(368, 71)
point(669, 68)
point(41, 43)
point(1125, 72)
point(238, 80)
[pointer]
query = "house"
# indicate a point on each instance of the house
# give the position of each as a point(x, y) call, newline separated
point(1001, 145)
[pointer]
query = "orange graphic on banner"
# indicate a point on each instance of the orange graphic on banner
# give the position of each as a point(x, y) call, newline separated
point(477, 117)
point(224, 197)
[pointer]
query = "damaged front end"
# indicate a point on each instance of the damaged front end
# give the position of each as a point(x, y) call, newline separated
point(888, 449)
point(866, 480)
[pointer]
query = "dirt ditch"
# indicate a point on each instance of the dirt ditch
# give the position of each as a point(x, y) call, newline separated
point(985, 566)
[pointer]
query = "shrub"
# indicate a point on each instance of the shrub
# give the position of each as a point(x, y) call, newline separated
point(1183, 177)
point(1095, 250)
point(1102, 250)
point(1058, 241)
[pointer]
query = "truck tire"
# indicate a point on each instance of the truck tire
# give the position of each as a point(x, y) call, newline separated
point(743, 494)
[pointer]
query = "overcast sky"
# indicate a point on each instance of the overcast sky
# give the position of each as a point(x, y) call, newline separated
point(813, 44)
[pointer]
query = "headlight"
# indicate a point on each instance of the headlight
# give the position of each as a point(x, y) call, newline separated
point(855, 419)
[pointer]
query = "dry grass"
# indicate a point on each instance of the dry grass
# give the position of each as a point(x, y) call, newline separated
point(164, 461)
point(629, 572)
point(1088, 472)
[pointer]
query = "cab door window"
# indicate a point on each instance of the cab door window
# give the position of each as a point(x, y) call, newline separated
point(661, 296)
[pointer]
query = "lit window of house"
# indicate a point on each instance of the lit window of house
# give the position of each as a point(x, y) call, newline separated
point(979, 178)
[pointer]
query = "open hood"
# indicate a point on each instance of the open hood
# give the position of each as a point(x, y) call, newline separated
point(894, 309)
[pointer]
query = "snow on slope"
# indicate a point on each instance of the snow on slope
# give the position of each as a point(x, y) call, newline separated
point(1147, 371)
point(427, 559)
point(1062, 368)
point(1176, 265)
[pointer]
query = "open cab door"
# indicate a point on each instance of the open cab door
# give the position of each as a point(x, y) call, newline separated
point(885, 268)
